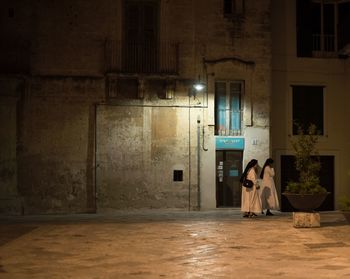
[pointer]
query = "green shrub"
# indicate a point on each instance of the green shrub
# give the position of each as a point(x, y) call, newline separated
point(307, 163)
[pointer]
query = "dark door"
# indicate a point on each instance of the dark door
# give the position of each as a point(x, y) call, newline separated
point(228, 172)
point(289, 173)
point(343, 25)
point(141, 31)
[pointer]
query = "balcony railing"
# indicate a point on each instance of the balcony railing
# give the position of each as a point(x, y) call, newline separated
point(147, 58)
point(228, 122)
point(323, 46)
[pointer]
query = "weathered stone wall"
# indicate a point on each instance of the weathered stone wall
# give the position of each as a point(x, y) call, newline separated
point(139, 142)
point(10, 91)
point(56, 145)
point(63, 37)
point(138, 148)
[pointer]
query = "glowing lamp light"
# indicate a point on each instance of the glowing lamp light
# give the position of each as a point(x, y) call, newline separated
point(199, 86)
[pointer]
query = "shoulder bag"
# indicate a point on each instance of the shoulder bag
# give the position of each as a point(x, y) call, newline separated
point(247, 183)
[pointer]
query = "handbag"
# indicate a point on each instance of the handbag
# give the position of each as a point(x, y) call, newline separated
point(247, 183)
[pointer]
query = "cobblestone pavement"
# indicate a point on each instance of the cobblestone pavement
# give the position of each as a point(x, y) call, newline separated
point(173, 244)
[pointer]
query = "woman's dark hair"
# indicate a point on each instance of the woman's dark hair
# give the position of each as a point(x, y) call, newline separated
point(251, 164)
point(268, 162)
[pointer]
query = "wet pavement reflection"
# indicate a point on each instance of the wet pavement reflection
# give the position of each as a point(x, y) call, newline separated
point(173, 244)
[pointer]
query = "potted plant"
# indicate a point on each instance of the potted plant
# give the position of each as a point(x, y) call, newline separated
point(306, 194)
point(344, 205)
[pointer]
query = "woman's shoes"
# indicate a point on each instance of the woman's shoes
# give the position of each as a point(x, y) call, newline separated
point(253, 215)
point(268, 213)
point(249, 215)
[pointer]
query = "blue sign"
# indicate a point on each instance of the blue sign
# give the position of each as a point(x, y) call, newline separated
point(229, 143)
point(233, 173)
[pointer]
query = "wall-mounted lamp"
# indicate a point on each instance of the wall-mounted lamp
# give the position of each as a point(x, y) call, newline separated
point(198, 86)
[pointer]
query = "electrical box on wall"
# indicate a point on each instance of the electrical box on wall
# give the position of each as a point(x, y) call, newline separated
point(178, 175)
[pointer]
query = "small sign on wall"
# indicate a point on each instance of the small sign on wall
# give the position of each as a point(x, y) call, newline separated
point(229, 143)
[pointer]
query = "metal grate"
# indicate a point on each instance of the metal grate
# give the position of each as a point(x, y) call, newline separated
point(146, 58)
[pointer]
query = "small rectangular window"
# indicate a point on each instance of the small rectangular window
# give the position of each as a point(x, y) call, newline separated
point(178, 175)
point(308, 107)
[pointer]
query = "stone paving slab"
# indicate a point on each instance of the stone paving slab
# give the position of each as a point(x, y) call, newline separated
point(173, 244)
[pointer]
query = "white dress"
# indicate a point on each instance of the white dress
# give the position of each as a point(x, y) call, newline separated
point(250, 196)
point(269, 198)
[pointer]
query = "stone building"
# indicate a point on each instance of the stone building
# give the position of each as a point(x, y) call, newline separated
point(98, 110)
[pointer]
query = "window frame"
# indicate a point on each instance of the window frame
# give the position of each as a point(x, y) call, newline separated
point(228, 108)
point(323, 44)
point(290, 107)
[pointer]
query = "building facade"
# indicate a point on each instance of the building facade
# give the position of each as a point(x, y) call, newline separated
point(310, 84)
point(98, 110)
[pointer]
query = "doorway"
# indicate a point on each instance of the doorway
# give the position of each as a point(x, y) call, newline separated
point(228, 172)
point(141, 35)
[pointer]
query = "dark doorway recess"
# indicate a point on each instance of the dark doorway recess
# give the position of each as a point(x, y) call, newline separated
point(141, 36)
point(228, 172)
point(288, 173)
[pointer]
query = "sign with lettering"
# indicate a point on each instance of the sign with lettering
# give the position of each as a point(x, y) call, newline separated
point(229, 143)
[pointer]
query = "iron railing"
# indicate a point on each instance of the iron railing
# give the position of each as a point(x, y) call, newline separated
point(323, 43)
point(146, 58)
point(228, 122)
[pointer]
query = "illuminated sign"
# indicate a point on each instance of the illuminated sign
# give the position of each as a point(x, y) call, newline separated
point(229, 143)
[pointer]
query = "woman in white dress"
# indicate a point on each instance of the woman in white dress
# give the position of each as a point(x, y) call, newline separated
point(250, 204)
point(269, 198)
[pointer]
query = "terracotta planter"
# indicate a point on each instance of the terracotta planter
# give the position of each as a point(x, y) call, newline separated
point(305, 202)
point(346, 214)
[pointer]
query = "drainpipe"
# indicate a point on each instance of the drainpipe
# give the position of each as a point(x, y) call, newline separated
point(95, 158)
point(189, 152)
point(199, 163)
